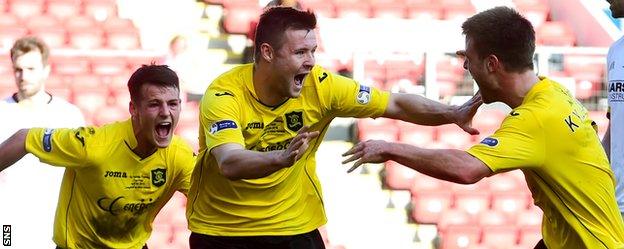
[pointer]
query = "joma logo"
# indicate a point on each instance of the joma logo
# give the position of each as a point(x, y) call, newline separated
point(116, 174)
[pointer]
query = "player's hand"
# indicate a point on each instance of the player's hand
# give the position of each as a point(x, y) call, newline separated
point(465, 112)
point(371, 151)
point(298, 146)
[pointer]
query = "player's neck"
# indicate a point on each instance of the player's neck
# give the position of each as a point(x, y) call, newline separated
point(40, 98)
point(142, 149)
point(263, 82)
point(519, 85)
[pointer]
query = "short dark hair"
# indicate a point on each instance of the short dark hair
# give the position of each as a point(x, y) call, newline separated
point(27, 44)
point(503, 32)
point(158, 75)
point(275, 21)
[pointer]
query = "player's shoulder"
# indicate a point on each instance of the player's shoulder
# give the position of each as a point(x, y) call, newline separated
point(180, 147)
point(233, 79)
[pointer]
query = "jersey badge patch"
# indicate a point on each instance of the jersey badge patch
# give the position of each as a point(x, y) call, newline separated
point(363, 96)
point(490, 141)
point(222, 125)
point(159, 177)
point(294, 121)
point(47, 140)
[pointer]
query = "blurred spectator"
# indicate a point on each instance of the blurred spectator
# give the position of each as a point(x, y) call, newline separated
point(30, 183)
point(188, 63)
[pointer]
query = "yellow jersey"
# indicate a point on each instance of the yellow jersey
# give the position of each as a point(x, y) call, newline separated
point(289, 201)
point(551, 139)
point(109, 196)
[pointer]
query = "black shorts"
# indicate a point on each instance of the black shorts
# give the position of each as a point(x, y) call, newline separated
point(311, 240)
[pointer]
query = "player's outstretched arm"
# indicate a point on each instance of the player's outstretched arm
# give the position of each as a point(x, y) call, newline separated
point(13, 149)
point(236, 162)
point(420, 110)
point(450, 165)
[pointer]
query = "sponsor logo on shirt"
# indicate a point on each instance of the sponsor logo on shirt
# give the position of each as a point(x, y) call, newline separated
point(159, 177)
point(47, 139)
point(114, 205)
point(273, 146)
point(616, 91)
point(222, 125)
point(490, 141)
point(363, 96)
point(294, 120)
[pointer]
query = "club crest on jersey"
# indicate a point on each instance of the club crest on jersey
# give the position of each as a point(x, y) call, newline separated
point(294, 121)
point(47, 139)
point(222, 125)
point(490, 141)
point(363, 96)
point(159, 177)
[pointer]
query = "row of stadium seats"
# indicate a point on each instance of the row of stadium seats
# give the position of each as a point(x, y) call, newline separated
point(490, 237)
point(99, 9)
point(80, 32)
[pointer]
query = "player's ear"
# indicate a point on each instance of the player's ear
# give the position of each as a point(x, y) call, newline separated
point(493, 63)
point(266, 52)
point(132, 108)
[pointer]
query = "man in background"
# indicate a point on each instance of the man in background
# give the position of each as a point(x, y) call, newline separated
point(612, 141)
point(31, 184)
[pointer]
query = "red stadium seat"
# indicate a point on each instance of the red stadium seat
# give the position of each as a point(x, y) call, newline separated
point(398, 176)
point(463, 236)
point(495, 218)
point(322, 9)
point(458, 12)
point(6, 66)
point(471, 202)
point(529, 236)
point(417, 135)
point(536, 13)
point(79, 23)
point(350, 10)
point(91, 38)
point(426, 12)
point(237, 16)
point(454, 136)
point(9, 20)
point(26, 8)
point(9, 34)
point(100, 9)
point(89, 100)
point(389, 10)
point(380, 128)
point(510, 203)
point(69, 65)
point(555, 34)
point(109, 66)
point(63, 8)
point(531, 217)
point(123, 39)
point(499, 237)
point(54, 37)
point(427, 206)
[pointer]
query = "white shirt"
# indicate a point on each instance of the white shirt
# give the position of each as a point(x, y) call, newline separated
point(615, 76)
point(29, 189)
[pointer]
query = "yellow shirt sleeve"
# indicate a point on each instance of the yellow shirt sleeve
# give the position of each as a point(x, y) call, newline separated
point(60, 147)
point(220, 116)
point(184, 160)
point(347, 98)
point(518, 143)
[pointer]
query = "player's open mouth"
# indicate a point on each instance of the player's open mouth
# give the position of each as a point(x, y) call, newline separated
point(163, 129)
point(299, 79)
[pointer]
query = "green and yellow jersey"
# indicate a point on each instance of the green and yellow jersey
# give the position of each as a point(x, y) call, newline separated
point(551, 139)
point(109, 196)
point(289, 201)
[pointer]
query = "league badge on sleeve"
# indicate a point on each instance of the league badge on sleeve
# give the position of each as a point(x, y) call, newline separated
point(363, 96)
point(222, 125)
point(159, 177)
point(47, 139)
point(490, 141)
